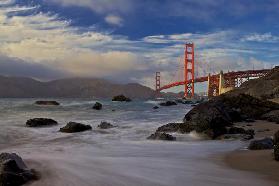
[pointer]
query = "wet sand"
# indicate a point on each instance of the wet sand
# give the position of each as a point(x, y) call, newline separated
point(259, 161)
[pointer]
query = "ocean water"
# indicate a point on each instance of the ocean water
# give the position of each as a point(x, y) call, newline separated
point(115, 157)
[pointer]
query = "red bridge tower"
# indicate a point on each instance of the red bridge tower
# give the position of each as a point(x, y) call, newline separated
point(189, 70)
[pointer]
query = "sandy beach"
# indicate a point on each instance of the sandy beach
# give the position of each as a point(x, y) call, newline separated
point(258, 161)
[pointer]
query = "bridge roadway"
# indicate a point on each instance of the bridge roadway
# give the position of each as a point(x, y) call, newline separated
point(228, 75)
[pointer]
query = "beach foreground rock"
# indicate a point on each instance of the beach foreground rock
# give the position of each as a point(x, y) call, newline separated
point(46, 103)
point(272, 116)
point(266, 143)
point(73, 127)
point(40, 122)
point(161, 136)
point(14, 172)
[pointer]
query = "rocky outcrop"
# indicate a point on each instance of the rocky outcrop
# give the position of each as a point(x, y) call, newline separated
point(40, 122)
point(73, 127)
point(168, 103)
point(161, 136)
point(97, 106)
point(176, 127)
point(105, 125)
point(214, 116)
point(14, 172)
point(121, 98)
point(272, 116)
point(266, 143)
point(47, 103)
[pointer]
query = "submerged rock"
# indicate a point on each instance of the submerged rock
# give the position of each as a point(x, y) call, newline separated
point(97, 106)
point(121, 98)
point(161, 136)
point(168, 103)
point(176, 127)
point(54, 103)
point(14, 172)
point(155, 107)
point(272, 116)
point(73, 127)
point(266, 143)
point(105, 125)
point(40, 122)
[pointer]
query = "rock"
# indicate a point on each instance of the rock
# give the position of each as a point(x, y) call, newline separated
point(214, 116)
point(156, 107)
point(168, 103)
point(98, 106)
point(121, 98)
point(276, 138)
point(40, 122)
point(105, 125)
point(243, 137)
point(276, 152)
point(266, 143)
point(249, 120)
point(47, 103)
point(175, 127)
point(161, 136)
point(236, 130)
point(14, 172)
point(73, 127)
point(272, 116)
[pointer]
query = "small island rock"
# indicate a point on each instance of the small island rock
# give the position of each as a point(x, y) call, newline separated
point(161, 136)
point(98, 106)
point(168, 103)
point(121, 98)
point(47, 103)
point(40, 122)
point(105, 125)
point(73, 127)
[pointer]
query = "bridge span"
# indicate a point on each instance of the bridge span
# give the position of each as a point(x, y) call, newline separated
point(217, 83)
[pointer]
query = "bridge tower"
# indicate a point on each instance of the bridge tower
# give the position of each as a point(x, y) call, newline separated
point(158, 81)
point(189, 70)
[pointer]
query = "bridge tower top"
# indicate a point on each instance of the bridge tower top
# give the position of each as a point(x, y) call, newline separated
point(189, 70)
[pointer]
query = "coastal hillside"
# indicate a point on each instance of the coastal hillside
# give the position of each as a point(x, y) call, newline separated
point(266, 87)
point(21, 87)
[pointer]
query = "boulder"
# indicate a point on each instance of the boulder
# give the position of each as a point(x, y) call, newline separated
point(266, 143)
point(214, 116)
point(40, 122)
point(14, 172)
point(276, 152)
point(155, 107)
point(276, 138)
point(161, 136)
point(121, 98)
point(176, 127)
point(97, 106)
point(47, 103)
point(168, 103)
point(73, 127)
point(105, 125)
point(272, 116)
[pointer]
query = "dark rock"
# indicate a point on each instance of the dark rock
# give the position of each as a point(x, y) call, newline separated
point(276, 138)
point(161, 136)
point(73, 127)
point(156, 107)
point(243, 137)
point(266, 143)
point(236, 130)
point(54, 103)
point(176, 127)
point(40, 122)
point(214, 116)
point(276, 152)
point(14, 172)
point(168, 103)
point(121, 98)
point(249, 120)
point(98, 106)
point(105, 125)
point(272, 116)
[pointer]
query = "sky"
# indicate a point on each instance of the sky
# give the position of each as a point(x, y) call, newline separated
point(129, 40)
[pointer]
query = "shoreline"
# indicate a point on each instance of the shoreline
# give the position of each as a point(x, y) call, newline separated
point(260, 162)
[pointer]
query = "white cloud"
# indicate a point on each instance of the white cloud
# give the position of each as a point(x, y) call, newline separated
point(266, 37)
point(114, 20)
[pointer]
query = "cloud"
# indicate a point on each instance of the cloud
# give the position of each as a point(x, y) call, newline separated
point(114, 20)
point(266, 37)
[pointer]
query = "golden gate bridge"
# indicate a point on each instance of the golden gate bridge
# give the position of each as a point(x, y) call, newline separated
point(217, 83)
